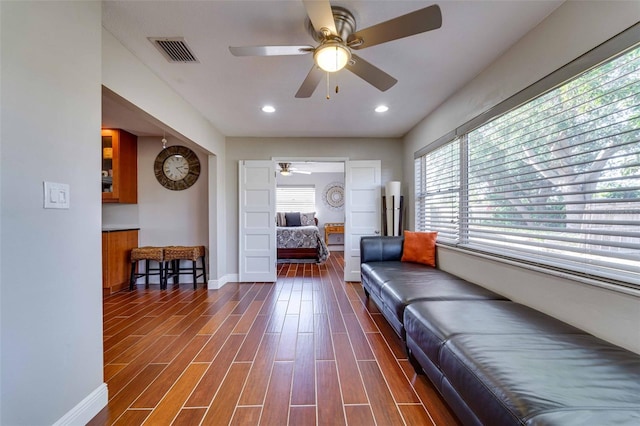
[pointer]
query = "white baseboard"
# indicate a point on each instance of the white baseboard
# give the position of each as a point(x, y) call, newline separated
point(217, 284)
point(86, 409)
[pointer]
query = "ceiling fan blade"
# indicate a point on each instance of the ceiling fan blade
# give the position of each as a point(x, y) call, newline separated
point(310, 83)
point(270, 50)
point(320, 15)
point(371, 74)
point(417, 22)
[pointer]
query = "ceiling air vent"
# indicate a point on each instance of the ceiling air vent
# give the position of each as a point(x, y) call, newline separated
point(174, 49)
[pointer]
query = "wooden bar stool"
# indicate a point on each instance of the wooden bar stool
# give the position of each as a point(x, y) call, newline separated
point(147, 254)
point(172, 257)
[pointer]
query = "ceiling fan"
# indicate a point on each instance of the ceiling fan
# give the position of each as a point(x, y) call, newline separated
point(334, 28)
point(287, 170)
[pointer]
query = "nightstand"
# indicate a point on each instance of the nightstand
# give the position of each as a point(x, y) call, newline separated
point(332, 228)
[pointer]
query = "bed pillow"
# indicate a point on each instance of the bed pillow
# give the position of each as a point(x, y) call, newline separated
point(281, 220)
point(293, 219)
point(420, 247)
point(308, 219)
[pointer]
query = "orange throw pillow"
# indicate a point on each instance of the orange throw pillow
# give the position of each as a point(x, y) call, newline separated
point(420, 247)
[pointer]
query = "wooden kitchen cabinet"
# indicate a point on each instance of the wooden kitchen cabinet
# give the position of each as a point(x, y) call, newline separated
point(116, 261)
point(119, 167)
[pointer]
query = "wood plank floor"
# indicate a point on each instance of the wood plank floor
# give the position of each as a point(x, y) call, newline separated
point(307, 350)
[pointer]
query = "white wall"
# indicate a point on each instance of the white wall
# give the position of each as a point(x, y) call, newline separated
point(171, 217)
point(572, 30)
point(126, 76)
point(51, 295)
point(129, 78)
point(389, 151)
point(218, 230)
point(120, 215)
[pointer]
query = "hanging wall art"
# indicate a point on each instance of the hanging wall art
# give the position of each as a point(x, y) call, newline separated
point(333, 196)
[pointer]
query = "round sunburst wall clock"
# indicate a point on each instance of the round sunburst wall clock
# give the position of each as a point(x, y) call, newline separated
point(333, 196)
point(177, 167)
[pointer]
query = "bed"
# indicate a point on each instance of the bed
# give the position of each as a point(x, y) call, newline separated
point(300, 241)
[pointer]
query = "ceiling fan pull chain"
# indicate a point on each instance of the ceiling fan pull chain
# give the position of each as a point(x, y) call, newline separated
point(328, 90)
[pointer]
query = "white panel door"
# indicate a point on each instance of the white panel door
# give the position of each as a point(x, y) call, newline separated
point(257, 233)
point(362, 210)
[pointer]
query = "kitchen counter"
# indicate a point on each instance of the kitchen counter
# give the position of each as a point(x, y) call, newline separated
point(118, 228)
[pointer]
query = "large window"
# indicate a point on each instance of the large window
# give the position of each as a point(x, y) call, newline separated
point(555, 181)
point(296, 198)
point(438, 191)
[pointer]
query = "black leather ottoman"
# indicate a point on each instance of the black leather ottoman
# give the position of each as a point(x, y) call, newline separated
point(433, 285)
point(501, 363)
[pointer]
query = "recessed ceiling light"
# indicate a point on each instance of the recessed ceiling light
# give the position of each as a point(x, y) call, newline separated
point(268, 108)
point(381, 108)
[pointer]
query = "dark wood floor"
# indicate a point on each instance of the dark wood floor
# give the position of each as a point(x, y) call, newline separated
point(306, 350)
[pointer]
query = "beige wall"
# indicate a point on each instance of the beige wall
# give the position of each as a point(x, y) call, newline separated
point(389, 151)
point(572, 30)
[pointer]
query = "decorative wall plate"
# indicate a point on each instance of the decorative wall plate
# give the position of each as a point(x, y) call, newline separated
point(177, 167)
point(333, 196)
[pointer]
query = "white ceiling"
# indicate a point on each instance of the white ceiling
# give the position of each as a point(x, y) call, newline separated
point(230, 90)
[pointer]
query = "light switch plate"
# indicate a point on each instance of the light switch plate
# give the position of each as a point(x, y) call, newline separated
point(56, 195)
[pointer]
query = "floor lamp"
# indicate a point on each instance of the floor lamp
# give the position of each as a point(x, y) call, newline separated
point(392, 204)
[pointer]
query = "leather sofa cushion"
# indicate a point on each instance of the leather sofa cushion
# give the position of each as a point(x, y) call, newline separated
point(379, 273)
point(430, 324)
point(582, 417)
point(505, 378)
point(380, 249)
point(434, 284)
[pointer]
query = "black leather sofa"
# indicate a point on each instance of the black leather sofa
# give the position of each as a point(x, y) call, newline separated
point(497, 362)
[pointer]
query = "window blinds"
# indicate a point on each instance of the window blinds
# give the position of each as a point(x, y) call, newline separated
point(296, 199)
point(555, 181)
point(558, 179)
point(437, 188)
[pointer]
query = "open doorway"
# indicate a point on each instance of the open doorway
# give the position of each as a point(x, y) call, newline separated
point(311, 187)
point(258, 217)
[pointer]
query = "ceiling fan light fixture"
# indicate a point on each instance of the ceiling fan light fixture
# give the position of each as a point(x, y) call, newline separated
point(381, 108)
point(332, 56)
point(284, 169)
point(268, 108)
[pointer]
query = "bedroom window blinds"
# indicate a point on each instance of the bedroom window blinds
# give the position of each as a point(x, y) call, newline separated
point(555, 181)
point(296, 198)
